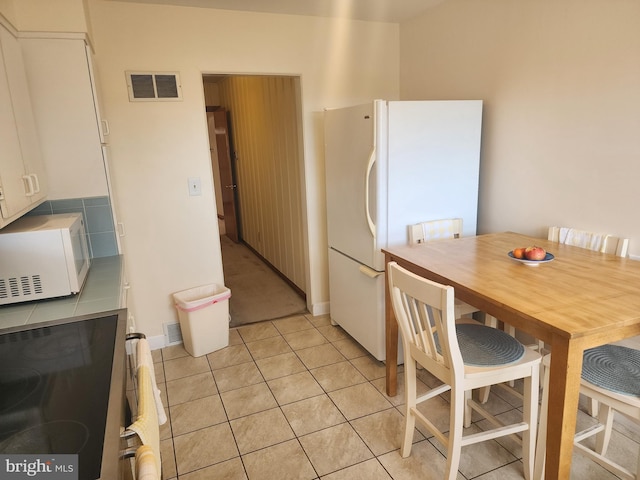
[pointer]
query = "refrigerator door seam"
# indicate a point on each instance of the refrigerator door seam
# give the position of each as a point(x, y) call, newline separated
point(355, 259)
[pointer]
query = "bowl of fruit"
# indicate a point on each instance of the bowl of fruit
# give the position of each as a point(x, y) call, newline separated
point(531, 256)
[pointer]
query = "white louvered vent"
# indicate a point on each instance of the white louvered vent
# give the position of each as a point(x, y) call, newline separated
point(172, 333)
point(154, 86)
point(25, 286)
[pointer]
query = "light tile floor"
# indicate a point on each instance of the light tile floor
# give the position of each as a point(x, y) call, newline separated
point(297, 398)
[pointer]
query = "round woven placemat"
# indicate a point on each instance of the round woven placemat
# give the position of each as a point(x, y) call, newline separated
point(483, 346)
point(614, 368)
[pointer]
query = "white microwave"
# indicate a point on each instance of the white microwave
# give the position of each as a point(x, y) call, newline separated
point(43, 256)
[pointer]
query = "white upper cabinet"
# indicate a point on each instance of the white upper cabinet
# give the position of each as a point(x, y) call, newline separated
point(12, 197)
point(61, 86)
point(23, 181)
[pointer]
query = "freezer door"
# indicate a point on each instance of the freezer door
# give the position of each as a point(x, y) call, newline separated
point(357, 302)
point(432, 162)
point(351, 181)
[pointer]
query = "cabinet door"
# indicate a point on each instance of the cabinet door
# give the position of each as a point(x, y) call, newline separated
point(35, 180)
point(12, 184)
point(63, 105)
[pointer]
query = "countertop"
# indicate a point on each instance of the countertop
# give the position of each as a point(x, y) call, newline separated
point(102, 291)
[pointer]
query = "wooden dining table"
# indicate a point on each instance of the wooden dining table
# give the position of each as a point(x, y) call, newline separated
point(578, 300)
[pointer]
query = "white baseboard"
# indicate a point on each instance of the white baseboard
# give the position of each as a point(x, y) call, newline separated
point(160, 341)
point(157, 342)
point(320, 309)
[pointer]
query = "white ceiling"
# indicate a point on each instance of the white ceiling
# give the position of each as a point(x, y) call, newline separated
point(393, 11)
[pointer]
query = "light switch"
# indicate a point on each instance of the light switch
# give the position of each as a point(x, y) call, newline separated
point(194, 186)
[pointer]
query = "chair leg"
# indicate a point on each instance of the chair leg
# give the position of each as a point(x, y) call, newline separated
point(530, 415)
point(410, 401)
point(541, 444)
point(605, 417)
point(457, 418)
point(483, 394)
point(468, 412)
point(490, 321)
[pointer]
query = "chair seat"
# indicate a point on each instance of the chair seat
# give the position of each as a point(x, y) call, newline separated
point(613, 367)
point(483, 346)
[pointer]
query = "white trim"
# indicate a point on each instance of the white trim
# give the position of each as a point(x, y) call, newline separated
point(54, 35)
point(157, 342)
point(320, 309)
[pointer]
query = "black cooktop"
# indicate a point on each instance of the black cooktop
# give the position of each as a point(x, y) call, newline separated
point(54, 389)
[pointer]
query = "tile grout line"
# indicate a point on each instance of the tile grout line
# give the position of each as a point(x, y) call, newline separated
point(325, 393)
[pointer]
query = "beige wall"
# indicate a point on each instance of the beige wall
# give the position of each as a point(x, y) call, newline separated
point(8, 11)
point(561, 85)
point(50, 15)
point(171, 240)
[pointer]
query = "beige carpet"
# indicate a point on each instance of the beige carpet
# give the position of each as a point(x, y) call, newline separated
point(257, 292)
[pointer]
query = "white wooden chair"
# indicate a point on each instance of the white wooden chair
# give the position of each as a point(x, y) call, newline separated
point(464, 355)
point(598, 242)
point(435, 230)
point(442, 229)
point(610, 375)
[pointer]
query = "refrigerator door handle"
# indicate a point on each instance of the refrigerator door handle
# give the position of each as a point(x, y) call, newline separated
point(369, 272)
point(372, 160)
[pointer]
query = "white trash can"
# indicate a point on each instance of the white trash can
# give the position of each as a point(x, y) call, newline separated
point(204, 318)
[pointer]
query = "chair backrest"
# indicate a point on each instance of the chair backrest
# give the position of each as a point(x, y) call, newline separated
point(424, 311)
point(435, 230)
point(599, 242)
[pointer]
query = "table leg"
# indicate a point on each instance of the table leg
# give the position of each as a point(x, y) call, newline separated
point(391, 340)
point(564, 389)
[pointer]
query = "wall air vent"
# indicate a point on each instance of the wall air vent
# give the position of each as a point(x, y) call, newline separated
point(172, 333)
point(154, 86)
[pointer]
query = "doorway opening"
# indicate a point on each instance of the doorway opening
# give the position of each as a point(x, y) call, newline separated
point(255, 136)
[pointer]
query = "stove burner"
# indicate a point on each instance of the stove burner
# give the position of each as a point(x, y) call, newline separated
point(17, 385)
point(61, 436)
point(56, 347)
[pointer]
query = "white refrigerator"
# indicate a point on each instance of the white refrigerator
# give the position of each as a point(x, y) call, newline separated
point(388, 165)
